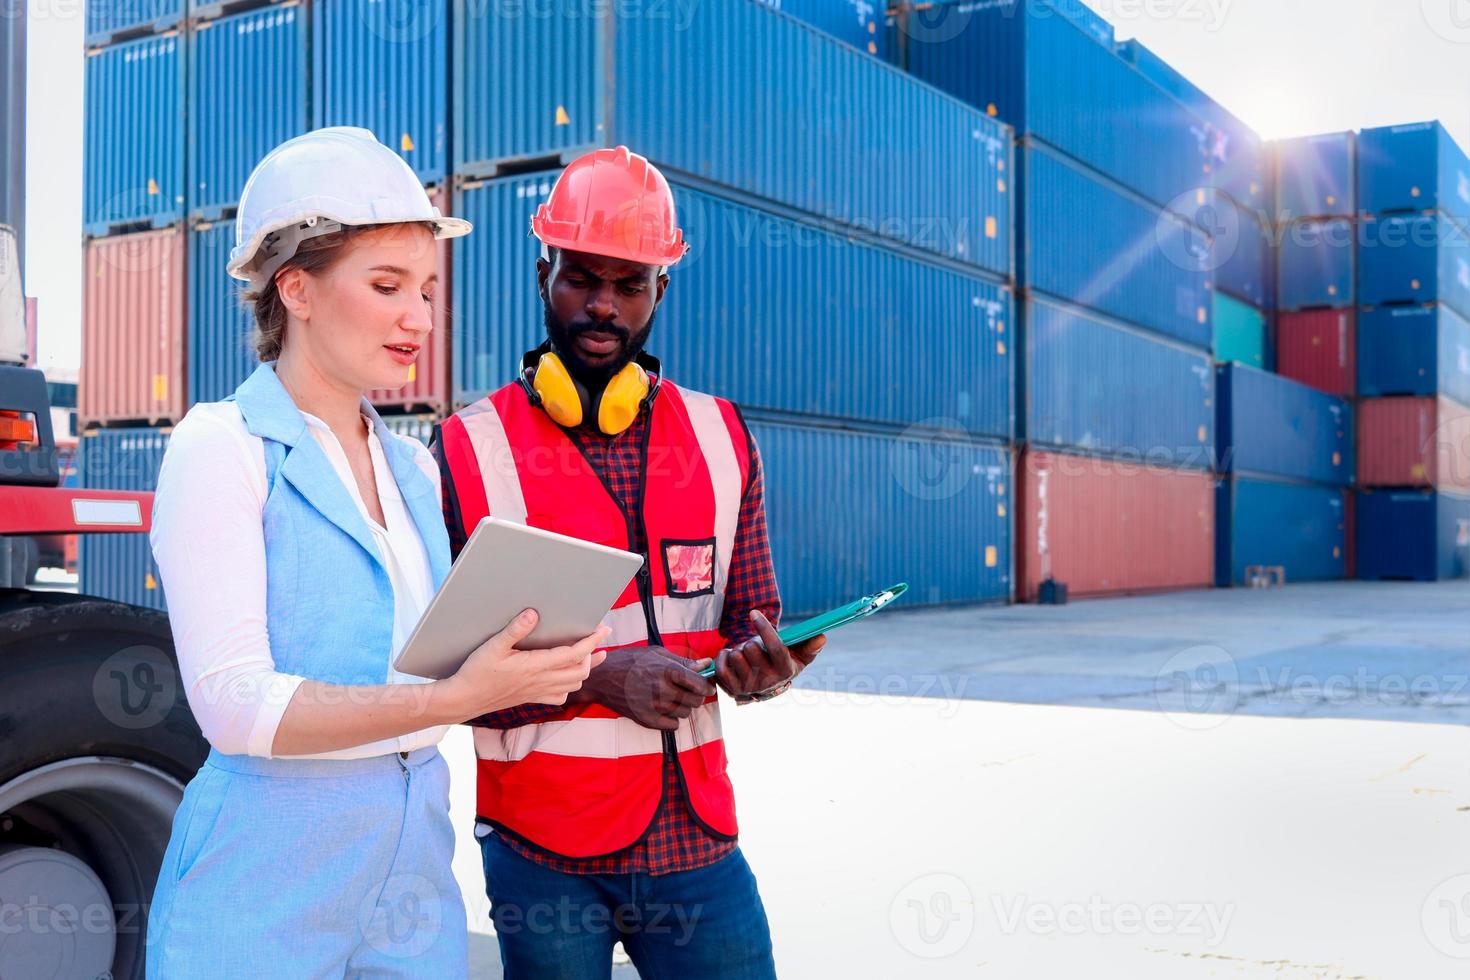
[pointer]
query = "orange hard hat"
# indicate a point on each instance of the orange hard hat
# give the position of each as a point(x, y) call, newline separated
point(613, 203)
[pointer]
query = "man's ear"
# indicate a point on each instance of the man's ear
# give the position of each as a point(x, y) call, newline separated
point(293, 287)
point(543, 275)
point(662, 284)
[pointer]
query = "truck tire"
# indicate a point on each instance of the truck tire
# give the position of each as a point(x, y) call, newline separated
point(99, 742)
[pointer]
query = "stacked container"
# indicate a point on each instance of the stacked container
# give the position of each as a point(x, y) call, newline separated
point(849, 279)
point(1285, 463)
point(1413, 364)
point(1116, 306)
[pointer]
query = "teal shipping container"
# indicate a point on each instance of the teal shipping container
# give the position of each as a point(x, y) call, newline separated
point(1240, 332)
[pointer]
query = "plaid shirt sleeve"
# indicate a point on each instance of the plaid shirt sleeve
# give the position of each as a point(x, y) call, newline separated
point(521, 714)
point(752, 580)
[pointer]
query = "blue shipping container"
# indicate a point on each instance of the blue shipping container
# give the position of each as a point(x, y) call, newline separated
point(1414, 350)
point(864, 24)
point(1419, 259)
point(420, 427)
point(1315, 177)
point(219, 323)
point(1418, 167)
point(133, 146)
point(893, 508)
point(120, 566)
point(1316, 261)
point(233, 123)
point(1269, 425)
point(771, 116)
point(1236, 158)
point(109, 20)
point(1412, 534)
point(1298, 527)
point(384, 67)
point(1107, 389)
point(1054, 82)
point(1242, 253)
point(765, 310)
point(1094, 245)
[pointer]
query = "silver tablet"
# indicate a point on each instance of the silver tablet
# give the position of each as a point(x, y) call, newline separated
point(506, 567)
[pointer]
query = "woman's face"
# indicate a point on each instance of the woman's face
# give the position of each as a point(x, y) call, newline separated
point(364, 321)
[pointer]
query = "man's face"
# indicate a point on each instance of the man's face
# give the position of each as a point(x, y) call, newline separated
point(598, 311)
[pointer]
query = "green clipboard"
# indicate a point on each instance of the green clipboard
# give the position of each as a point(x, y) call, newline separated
point(832, 619)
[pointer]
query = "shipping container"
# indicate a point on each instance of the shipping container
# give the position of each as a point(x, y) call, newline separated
point(385, 67)
point(1414, 350)
point(1241, 253)
point(133, 297)
point(864, 24)
point(1057, 82)
point(1413, 534)
point(1350, 533)
point(1240, 332)
point(1318, 348)
point(1095, 245)
point(1414, 442)
point(1107, 527)
point(1236, 160)
point(760, 296)
point(1316, 261)
point(428, 384)
point(1417, 167)
point(221, 354)
point(109, 21)
point(1297, 527)
point(232, 123)
point(1422, 259)
point(1107, 389)
point(1272, 426)
point(771, 116)
point(1316, 177)
point(133, 135)
point(120, 566)
point(420, 427)
point(929, 512)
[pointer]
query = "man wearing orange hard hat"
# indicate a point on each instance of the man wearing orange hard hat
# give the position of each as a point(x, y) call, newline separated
point(612, 818)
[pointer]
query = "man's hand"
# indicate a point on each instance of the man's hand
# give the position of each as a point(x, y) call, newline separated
point(763, 661)
point(651, 685)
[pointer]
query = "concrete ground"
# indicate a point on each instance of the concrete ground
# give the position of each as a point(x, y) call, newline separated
point(948, 793)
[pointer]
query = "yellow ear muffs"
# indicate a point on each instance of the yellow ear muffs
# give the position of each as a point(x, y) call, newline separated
point(558, 392)
point(621, 399)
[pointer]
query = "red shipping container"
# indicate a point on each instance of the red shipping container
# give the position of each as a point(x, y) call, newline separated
point(1319, 348)
point(1105, 527)
point(428, 389)
point(1413, 442)
point(133, 301)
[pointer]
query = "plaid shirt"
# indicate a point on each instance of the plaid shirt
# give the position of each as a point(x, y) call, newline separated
point(674, 841)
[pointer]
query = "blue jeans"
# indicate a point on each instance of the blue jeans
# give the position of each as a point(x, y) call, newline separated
point(688, 925)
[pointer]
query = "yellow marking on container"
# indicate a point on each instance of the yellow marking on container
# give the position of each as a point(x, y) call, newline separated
point(990, 227)
point(1331, 199)
point(152, 187)
point(1000, 185)
point(1000, 326)
point(405, 143)
point(1413, 192)
point(160, 387)
point(1000, 347)
point(1199, 196)
point(1001, 489)
point(1255, 188)
point(872, 27)
point(1414, 283)
point(991, 110)
point(562, 119)
point(1331, 290)
point(1202, 315)
point(1337, 459)
point(413, 373)
point(991, 558)
point(1316, 341)
point(872, 48)
point(1417, 471)
point(1336, 552)
point(150, 582)
point(1000, 165)
point(1000, 510)
point(1201, 433)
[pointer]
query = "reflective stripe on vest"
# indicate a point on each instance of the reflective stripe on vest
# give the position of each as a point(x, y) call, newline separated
point(589, 781)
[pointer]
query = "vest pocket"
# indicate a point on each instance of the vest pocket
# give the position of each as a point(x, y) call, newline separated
point(207, 789)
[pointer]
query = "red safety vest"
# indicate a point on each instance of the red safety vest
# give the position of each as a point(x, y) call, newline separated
point(588, 782)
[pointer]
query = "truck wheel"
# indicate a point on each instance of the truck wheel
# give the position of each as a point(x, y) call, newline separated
point(99, 743)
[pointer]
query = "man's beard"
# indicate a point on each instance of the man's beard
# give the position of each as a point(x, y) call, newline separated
point(564, 341)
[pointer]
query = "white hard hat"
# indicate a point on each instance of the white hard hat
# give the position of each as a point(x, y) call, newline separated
point(313, 185)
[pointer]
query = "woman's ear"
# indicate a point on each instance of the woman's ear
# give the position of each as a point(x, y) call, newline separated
point(294, 287)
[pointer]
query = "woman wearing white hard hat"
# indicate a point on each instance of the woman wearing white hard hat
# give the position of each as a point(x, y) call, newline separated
point(299, 541)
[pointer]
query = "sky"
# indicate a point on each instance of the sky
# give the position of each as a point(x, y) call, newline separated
point(1286, 67)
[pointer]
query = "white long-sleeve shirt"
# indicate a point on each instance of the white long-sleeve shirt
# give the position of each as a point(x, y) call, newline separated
point(209, 544)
